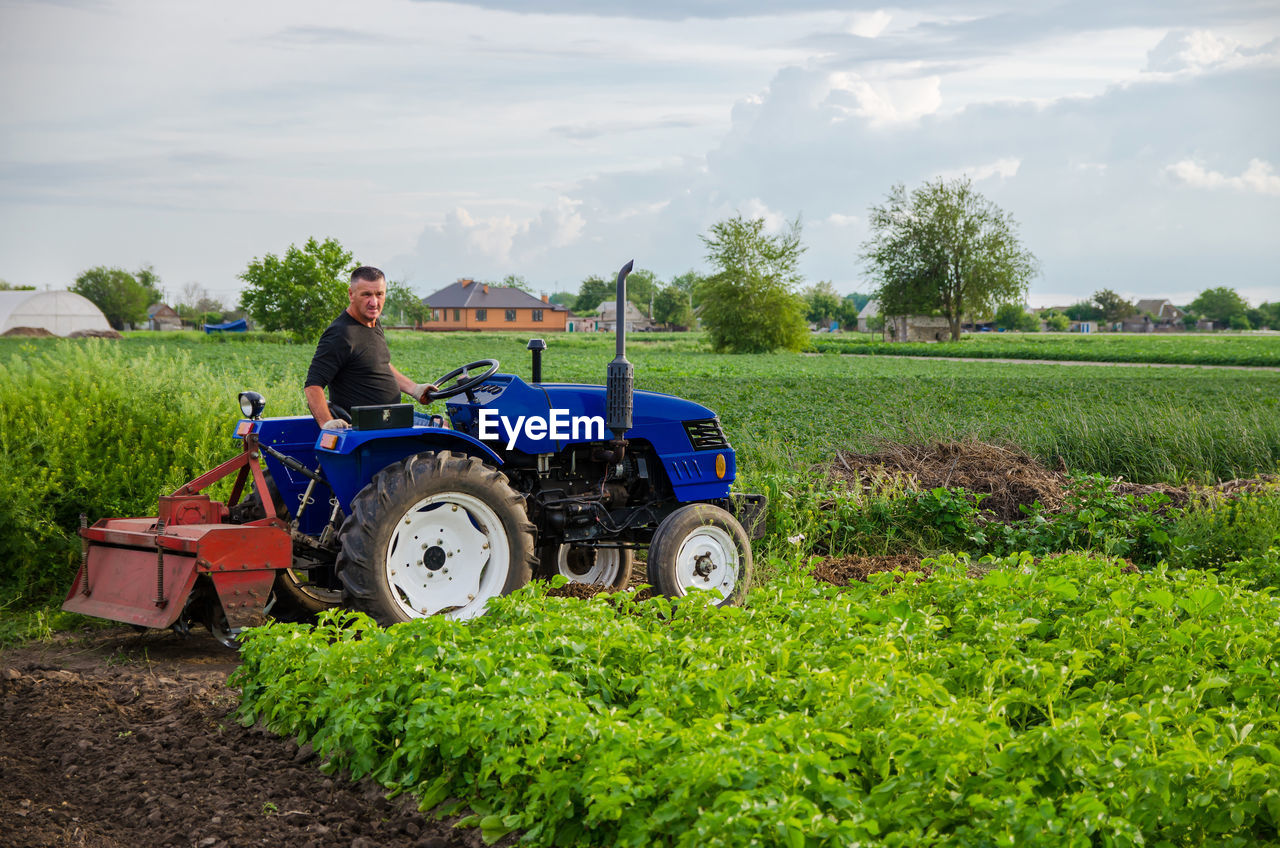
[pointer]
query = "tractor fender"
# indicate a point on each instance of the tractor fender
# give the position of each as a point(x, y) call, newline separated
point(358, 455)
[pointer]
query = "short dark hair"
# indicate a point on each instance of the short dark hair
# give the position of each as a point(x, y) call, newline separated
point(368, 273)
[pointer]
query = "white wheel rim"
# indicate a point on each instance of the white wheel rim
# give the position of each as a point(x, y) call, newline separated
point(448, 555)
point(708, 559)
point(601, 569)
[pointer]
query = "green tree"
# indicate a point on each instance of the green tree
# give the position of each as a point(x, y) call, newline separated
point(5, 285)
point(1112, 306)
point(1011, 316)
point(847, 313)
point(642, 288)
point(150, 281)
point(511, 281)
point(1056, 321)
point(671, 307)
point(821, 303)
point(301, 292)
point(1220, 305)
point(593, 292)
point(566, 299)
point(945, 248)
point(122, 299)
point(749, 304)
point(404, 306)
point(1084, 310)
point(1269, 315)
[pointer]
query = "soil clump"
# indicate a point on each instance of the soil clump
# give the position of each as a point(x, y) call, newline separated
point(27, 333)
point(95, 334)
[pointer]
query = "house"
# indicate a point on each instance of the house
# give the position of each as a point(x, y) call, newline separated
point(606, 321)
point(917, 328)
point(1164, 315)
point(162, 317)
point(469, 305)
point(869, 311)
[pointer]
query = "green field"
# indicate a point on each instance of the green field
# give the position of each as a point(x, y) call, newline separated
point(1016, 697)
point(1248, 349)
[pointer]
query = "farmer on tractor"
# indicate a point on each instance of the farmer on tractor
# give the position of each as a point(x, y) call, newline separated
point(352, 359)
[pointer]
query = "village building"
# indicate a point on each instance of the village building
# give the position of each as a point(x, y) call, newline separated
point(469, 305)
point(162, 317)
point(606, 318)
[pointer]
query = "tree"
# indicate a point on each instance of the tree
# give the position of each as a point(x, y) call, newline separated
point(1011, 316)
point(404, 306)
point(671, 307)
point(1269, 316)
point(593, 292)
point(748, 305)
point(642, 288)
point(821, 303)
point(150, 280)
point(945, 248)
point(5, 285)
point(122, 299)
point(301, 293)
point(511, 281)
point(1112, 307)
point(1055, 321)
point(1084, 310)
point(565, 299)
point(1220, 305)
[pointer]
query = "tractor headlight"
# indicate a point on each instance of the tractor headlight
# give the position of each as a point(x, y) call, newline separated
point(251, 404)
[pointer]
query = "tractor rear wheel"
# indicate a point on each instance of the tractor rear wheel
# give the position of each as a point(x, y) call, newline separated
point(438, 533)
point(701, 546)
point(596, 566)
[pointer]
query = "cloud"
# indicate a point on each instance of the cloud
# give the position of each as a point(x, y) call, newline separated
point(1259, 177)
point(1200, 50)
point(1003, 168)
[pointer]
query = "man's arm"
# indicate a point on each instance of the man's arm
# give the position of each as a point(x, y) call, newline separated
point(318, 404)
point(417, 391)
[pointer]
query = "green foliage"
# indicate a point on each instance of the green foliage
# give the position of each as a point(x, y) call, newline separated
point(1220, 305)
point(822, 303)
point(1011, 316)
point(122, 299)
point(1085, 310)
point(1111, 306)
point(1057, 322)
point(563, 299)
point(593, 292)
point(1061, 702)
point(945, 249)
point(1215, 531)
point(1201, 349)
point(642, 288)
point(301, 293)
point(1239, 322)
point(404, 305)
point(671, 307)
point(749, 305)
point(5, 285)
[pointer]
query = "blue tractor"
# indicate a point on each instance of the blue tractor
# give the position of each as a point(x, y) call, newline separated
point(408, 515)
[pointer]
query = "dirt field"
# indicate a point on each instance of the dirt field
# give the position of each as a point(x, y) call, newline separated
point(126, 739)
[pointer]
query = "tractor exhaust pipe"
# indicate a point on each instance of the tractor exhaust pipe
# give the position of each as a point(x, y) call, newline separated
point(619, 382)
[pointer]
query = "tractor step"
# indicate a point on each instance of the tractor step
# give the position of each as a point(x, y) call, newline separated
point(138, 571)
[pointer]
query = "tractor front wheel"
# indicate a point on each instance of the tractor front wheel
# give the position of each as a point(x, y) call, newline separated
point(701, 546)
point(438, 533)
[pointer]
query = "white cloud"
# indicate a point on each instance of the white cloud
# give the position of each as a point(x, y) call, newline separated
point(836, 219)
point(885, 101)
point(1259, 177)
point(1002, 168)
point(869, 24)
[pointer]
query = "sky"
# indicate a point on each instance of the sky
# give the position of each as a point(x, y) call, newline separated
point(1137, 145)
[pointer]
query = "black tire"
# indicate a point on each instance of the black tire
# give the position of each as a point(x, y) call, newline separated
point(411, 520)
point(697, 537)
point(607, 567)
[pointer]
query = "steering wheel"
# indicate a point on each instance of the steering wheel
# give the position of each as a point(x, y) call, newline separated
point(464, 381)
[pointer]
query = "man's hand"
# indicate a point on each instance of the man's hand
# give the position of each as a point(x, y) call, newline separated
point(420, 391)
point(335, 424)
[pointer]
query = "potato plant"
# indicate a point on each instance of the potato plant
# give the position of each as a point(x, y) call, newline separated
point(1059, 702)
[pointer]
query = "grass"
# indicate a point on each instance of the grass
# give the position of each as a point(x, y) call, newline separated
point(1176, 348)
point(105, 427)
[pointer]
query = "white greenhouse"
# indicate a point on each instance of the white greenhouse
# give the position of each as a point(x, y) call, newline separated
point(60, 312)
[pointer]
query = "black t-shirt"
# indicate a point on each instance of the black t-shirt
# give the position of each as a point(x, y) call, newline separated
point(353, 361)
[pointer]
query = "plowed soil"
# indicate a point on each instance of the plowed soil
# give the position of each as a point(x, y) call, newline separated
point(125, 739)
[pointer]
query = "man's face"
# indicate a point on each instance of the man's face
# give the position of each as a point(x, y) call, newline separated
point(367, 299)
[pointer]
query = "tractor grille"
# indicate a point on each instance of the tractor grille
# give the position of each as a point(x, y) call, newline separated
point(706, 434)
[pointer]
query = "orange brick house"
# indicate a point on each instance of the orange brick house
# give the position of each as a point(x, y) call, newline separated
point(468, 305)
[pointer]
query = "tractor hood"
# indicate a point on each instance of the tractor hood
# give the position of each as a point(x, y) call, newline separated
point(650, 407)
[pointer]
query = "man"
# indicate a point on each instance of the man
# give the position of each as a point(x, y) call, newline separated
point(352, 357)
